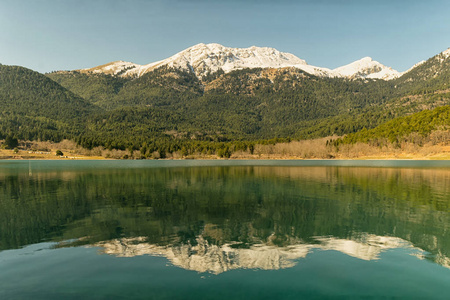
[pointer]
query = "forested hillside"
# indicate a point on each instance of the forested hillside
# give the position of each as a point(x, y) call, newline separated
point(98, 89)
point(246, 104)
point(430, 76)
point(34, 107)
point(410, 128)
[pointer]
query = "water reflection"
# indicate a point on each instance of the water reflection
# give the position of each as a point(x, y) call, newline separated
point(214, 219)
point(215, 259)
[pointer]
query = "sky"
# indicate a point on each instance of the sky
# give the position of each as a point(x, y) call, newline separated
point(49, 35)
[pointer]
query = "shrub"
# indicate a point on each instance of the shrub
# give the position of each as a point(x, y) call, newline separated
point(11, 142)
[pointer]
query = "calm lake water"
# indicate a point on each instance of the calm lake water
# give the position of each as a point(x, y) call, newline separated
point(224, 229)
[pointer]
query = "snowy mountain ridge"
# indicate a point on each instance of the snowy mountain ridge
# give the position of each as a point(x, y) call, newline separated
point(204, 257)
point(203, 59)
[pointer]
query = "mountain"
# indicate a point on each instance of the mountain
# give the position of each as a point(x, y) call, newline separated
point(197, 98)
point(204, 59)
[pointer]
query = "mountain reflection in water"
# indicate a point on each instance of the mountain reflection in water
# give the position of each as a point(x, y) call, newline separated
point(215, 259)
point(219, 218)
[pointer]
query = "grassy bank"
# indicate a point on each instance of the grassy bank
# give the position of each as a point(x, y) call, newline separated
point(322, 148)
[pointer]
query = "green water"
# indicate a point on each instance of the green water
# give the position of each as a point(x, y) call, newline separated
point(224, 230)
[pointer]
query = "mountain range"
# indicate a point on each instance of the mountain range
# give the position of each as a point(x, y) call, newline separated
point(210, 94)
point(203, 59)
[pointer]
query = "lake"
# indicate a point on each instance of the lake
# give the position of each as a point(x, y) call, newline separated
point(224, 229)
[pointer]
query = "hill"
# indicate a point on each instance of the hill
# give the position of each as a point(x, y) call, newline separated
point(35, 107)
point(413, 128)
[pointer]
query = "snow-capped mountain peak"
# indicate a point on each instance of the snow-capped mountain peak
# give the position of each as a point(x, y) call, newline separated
point(203, 59)
point(209, 58)
point(367, 68)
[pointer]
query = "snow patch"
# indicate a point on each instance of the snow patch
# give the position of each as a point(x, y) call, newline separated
point(112, 68)
point(446, 53)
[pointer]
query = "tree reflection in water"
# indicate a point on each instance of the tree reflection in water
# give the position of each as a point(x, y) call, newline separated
point(213, 219)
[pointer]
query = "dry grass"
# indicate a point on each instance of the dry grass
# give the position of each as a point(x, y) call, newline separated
point(47, 150)
point(435, 146)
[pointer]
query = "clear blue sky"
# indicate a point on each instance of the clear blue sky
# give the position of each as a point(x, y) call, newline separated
point(47, 35)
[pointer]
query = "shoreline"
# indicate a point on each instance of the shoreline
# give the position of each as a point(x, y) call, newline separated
point(100, 158)
point(308, 150)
